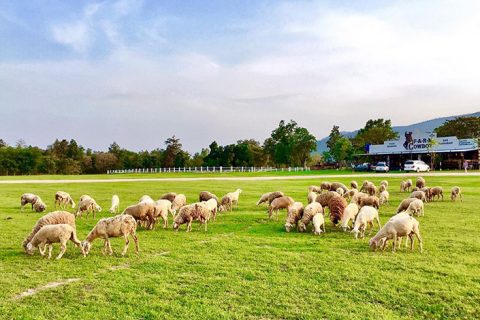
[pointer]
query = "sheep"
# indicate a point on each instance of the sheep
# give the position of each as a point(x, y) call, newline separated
point(269, 197)
point(337, 185)
point(295, 213)
point(187, 214)
point(420, 183)
point(456, 192)
point(278, 204)
point(54, 233)
point(404, 204)
point(179, 201)
point(309, 212)
point(212, 206)
point(87, 204)
point(121, 225)
point(205, 196)
point(416, 207)
point(365, 217)
point(395, 228)
point(142, 212)
point(419, 195)
point(56, 217)
point(234, 196)
point(169, 196)
point(337, 206)
point(372, 201)
point(37, 204)
point(406, 185)
point(365, 183)
point(318, 221)
point(115, 204)
point(351, 193)
point(226, 203)
point(350, 213)
point(435, 191)
point(62, 199)
point(354, 184)
point(340, 192)
point(325, 186)
point(146, 199)
point(311, 197)
point(370, 189)
point(381, 188)
point(162, 208)
point(384, 183)
point(357, 198)
point(384, 197)
point(316, 189)
point(325, 197)
point(427, 192)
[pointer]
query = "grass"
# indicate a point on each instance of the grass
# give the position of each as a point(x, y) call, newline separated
point(245, 267)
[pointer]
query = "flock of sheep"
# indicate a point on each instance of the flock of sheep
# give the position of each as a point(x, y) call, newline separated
point(357, 215)
point(59, 226)
point(361, 212)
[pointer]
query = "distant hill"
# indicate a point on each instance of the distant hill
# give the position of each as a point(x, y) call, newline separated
point(425, 126)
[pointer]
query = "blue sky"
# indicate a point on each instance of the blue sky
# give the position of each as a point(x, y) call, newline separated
point(137, 72)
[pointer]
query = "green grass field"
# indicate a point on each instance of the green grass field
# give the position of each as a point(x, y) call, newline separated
point(244, 267)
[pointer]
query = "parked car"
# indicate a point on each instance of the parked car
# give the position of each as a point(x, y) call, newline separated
point(363, 167)
point(382, 167)
point(416, 165)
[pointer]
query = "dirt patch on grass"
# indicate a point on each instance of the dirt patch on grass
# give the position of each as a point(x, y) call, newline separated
point(50, 285)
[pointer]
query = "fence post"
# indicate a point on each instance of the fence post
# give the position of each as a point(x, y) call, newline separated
point(221, 169)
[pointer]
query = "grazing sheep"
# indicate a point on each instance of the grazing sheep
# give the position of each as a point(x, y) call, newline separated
point(142, 212)
point(427, 192)
point(318, 221)
point(456, 192)
point(146, 199)
point(340, 192)
point(106, 228)
point(370, 189)
point(325, 186)
point(179, 201)
point(384, 183)
point(354, 184)
point(295, 213)
point(235, 196)
point(189, 213)
point(325, 197)
point(54, 233)
point(115, 204)
point(419, 195)
point(56, 217)
point(62, 199)
point(212, 207)
point(206, 195)
point(420, 183)
point(337, 185)
point(406, 185)
point(404, 204)
point(384, 197)
point(382, 188)
point(349, 214)
point(357, 198)
point(169, 196)
point(416, 208)
point(162, 208)
point(365, 217)
point(269, 197)
point(37, 204)
point(226, 204)
point(315, 189)
point(87, 204)
point(263, 198)
point(397, 227)
point(337, 206)
point(309, 212)
point(364, 184)
point(278, 204)
point(435, 191)
point(311, 197)
point(351, 193)
point(372, 201)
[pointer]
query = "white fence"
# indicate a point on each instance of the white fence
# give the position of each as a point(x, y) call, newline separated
point(209, 170)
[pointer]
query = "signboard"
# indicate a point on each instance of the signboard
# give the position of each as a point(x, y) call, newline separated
point(425, 142)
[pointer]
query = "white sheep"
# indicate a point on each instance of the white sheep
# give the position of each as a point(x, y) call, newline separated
point(309, 212)
point(365, 217)
point(416, 207)
point(384, 197)
point(37, 204)
point(212, 206)
point(318, 221)
point(162, 208)
point(146, 199)
point(87, 204)
point(62, 199)
point(456, 192)
point(115, 204)
point(235, 196)
point(311, 197)
point(54, 233)
point(295, 213)
point(340, 191)
point(349, 214)
point(179, 201)
point(398, 226)
point(106, 228)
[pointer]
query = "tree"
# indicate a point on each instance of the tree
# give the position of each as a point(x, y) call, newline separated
point(104, 161)
point(375, 132)
point(173, 148)
point(333, 137)
point(461, 127)
point(342, 150)
point(3, 144)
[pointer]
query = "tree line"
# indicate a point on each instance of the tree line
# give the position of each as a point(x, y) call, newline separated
point(288, 145)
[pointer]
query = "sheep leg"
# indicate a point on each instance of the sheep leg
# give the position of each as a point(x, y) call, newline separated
point(395, 238)
point(63, 248)
point(189, 225)
point(420, 241)
point(206, 223)
point(50, 248)
point(110, 251)
point(127, 242)
point(104, 249)
point(135, 239)
point(42, 251)
point(323, 227)
point(412, 239)
point(378, 221)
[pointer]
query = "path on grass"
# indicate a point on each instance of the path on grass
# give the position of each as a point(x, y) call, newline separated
point(268, 178)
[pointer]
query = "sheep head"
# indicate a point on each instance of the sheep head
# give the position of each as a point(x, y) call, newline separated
point(30, 248)
point(86, 247)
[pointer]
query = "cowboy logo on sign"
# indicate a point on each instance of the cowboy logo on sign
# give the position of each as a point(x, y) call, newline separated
point(408, 140)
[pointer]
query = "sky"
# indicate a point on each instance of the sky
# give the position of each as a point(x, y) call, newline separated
point(138, 72)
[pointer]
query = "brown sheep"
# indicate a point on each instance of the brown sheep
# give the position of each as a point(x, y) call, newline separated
point(354, 184)
point(205, 196)
point(314, 189)
point(419, 195)
point(337, 206)
point(420, 183)
point(56, 217)
point(187, 214)
point(278, 204)
point(325, 197)
point(325, 186)
point(435, 191)
point(405, 204)
point(169, 196)
point(372, 201)
point(295, 213)
point(142, 212)
point(336, 185)
point(456, 192)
